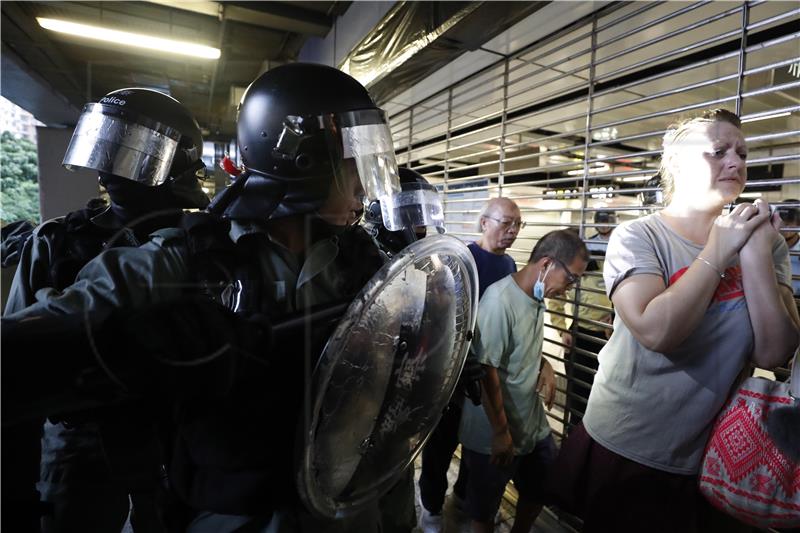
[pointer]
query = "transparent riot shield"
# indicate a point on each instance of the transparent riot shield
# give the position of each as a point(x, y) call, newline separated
point(386, 374)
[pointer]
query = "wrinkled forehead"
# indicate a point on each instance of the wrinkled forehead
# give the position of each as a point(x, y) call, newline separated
point(504, 209)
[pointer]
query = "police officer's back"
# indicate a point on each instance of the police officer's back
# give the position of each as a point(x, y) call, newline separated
point(146, 149)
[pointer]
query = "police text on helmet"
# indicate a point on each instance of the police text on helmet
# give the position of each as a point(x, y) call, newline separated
point(112, 100)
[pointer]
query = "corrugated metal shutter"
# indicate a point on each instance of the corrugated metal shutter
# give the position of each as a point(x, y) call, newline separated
point(573, 123)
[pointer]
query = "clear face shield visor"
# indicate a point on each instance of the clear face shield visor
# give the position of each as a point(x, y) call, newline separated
point(361, 151)
point(115, 141)
point(413, 209)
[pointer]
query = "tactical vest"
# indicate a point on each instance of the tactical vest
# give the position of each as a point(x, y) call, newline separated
point(236, 454)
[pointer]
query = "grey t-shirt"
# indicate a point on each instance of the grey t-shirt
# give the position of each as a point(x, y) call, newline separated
point(657, 409)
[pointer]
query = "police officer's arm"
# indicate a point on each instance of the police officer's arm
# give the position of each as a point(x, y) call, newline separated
point(124, 327)
point(492, 400)
point(119, 278)
point(32, 273)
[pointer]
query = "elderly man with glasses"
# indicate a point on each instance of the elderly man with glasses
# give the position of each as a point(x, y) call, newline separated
point(500, 223)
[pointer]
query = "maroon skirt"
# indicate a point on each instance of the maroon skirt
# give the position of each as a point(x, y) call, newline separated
point(612, 493)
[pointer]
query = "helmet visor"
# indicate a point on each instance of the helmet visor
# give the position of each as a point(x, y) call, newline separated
point(361, 140)
point(410, 209)
point(116, 142)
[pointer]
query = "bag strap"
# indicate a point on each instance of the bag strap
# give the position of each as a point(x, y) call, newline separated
point(794, 378)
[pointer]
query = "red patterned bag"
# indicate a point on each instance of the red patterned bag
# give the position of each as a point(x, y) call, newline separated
point(751, 468)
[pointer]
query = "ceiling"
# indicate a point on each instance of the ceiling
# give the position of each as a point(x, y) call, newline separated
point(253, 36)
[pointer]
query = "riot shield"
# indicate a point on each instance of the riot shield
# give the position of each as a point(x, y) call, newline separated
point(386, 374)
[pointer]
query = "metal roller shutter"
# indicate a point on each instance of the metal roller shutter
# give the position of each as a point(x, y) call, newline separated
point(572, 124)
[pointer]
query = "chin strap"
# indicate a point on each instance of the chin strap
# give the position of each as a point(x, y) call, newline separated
point(222, 200)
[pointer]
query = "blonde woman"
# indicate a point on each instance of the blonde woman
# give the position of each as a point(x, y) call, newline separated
point(698, 295)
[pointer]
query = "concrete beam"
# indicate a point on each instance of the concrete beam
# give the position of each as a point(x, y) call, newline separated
point(33, 93)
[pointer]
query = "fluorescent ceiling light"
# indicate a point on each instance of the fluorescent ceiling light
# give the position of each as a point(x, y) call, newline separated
point(767, 117)
point(130, 39)
point(750, 195)
point(629, 179)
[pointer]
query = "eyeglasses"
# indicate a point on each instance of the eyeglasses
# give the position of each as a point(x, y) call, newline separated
point(571, 277)
point(508, 224)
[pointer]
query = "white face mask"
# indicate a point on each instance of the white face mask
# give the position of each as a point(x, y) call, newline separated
point(538, 287)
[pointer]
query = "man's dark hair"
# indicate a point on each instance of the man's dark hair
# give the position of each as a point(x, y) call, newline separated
point(604, 216)
point(562, 244)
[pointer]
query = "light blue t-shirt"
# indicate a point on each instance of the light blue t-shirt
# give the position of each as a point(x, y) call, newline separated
point(511, 325)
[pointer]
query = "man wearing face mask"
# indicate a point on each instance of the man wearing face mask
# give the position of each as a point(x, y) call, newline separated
point(508, 437)
point(146, 148)
point(582, 335)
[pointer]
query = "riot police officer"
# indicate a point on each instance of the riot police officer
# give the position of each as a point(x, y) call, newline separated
point(146, 148)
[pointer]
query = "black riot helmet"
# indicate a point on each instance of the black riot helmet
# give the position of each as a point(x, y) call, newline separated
point(418, 206)
point(302, 129)
point(139, 134)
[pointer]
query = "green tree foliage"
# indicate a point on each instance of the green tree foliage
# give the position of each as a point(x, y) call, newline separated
point(19, 179)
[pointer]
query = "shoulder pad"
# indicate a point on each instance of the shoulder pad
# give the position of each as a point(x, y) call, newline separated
point(48, 227)
point(198, 219)
point(167, 236)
